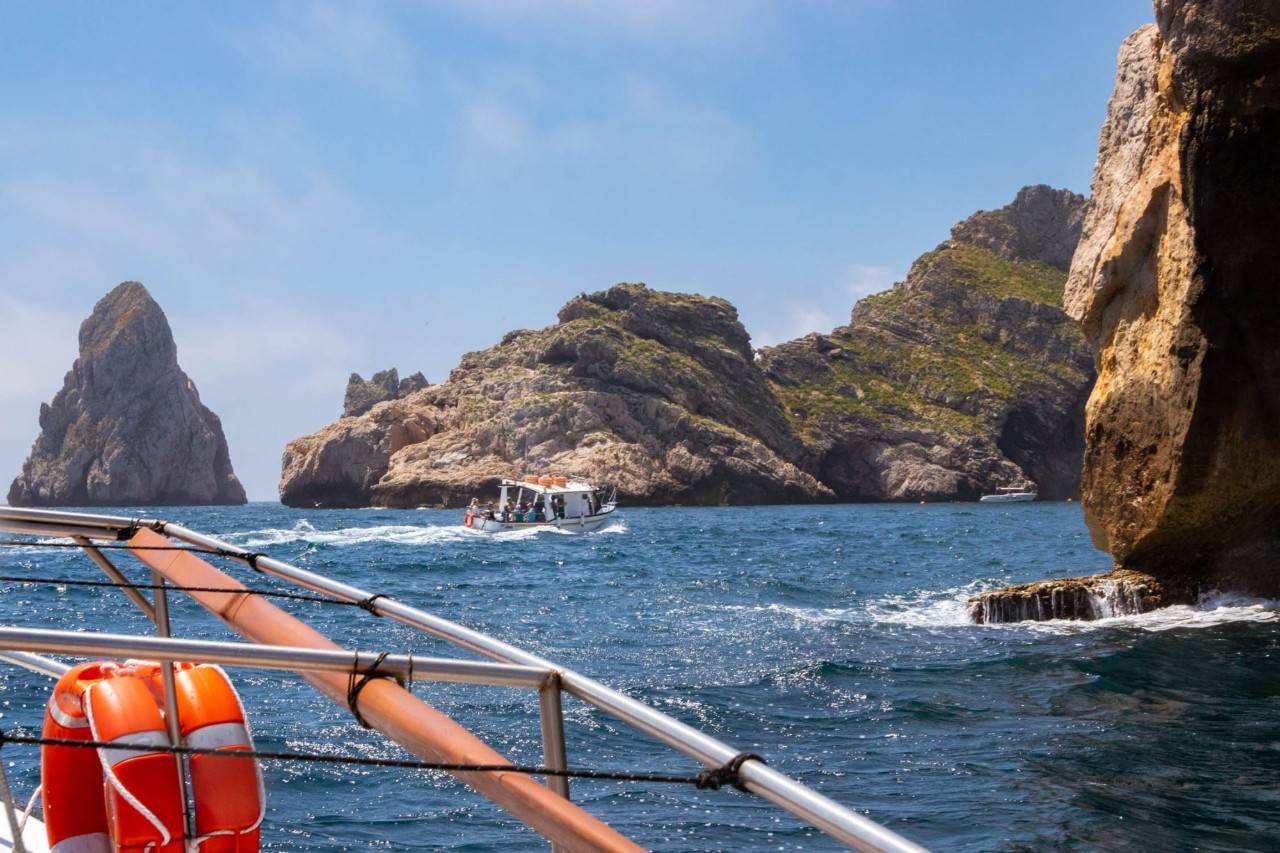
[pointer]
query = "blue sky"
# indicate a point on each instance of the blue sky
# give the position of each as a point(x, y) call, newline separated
point(311, 189)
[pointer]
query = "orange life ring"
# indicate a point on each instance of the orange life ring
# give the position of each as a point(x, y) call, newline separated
point(75, 814)
point(107, 800)
point(469, 521)
point(228, 791)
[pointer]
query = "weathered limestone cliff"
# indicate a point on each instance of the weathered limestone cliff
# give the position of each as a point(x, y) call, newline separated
point(964, 377)
point(1176, 279)
point(128, 427)
point(363, 394)
point(656, 393)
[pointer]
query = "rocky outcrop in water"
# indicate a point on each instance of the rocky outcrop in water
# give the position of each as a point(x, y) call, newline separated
point(1095, 597)
point(1175, 280)
point(964, 377)
point(128, 427)
point(363, 394)
point(656, 393)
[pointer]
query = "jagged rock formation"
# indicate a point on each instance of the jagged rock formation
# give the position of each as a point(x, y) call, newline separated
point(128, 427)
point(964, 377)
point(362, 395)
point(1175, 279)
point(654, 392)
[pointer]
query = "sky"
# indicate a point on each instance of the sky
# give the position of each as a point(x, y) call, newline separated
point(314, 188)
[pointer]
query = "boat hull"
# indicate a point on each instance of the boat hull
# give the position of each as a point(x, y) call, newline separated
point(1016, 498)
point(582, 524)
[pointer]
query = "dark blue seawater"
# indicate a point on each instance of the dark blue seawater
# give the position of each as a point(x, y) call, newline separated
point(830, 639)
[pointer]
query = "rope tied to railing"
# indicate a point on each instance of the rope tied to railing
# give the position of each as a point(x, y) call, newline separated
point(266, 593)
point(355, 685)
point(368, 604)
point(713, 778)
point(363, 761)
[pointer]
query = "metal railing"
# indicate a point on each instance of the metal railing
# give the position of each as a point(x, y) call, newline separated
point(511, 666)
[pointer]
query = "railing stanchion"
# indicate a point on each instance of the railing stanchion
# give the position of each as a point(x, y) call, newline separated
point(171, 703)
point(552, 716)
point(116, 575)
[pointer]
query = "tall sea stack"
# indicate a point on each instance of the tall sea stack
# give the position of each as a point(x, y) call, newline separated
point(128, 427)
point(1177, 282)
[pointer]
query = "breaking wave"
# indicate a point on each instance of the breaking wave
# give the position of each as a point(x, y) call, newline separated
point(949, 608)
point(396, 534)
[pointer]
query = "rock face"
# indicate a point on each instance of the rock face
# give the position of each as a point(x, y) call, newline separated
point(657, 393)
point(128, 427)
point(964, 377)
point(362, 395)
point(1095, 597)
point(1175, 279)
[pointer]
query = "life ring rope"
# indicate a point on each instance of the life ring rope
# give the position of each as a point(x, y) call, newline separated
point(110, 773)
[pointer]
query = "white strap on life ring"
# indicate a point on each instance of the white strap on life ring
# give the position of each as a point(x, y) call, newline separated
point(111, 774)
point(64, 719)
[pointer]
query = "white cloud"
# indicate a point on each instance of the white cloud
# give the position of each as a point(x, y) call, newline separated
point(493, 125)
point(333, 40)
point(207, 235)
point(797, 321)
point(646, 129)
point(706, 21)
point(866, 280)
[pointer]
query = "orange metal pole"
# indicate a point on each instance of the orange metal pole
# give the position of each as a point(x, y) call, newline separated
point(389, 708)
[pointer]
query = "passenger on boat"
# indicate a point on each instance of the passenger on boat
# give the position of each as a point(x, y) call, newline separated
point(539, 512)
point(557, 505)
point(488, 512)
point(509, 510)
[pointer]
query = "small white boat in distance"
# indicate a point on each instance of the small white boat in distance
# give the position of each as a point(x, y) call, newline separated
point(1010, 494)
point(546, 501)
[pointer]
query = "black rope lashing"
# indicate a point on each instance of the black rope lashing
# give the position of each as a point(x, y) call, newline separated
point(103, 546)
point(355, 685)
point(248, 557)
point(265, 593)
point(713, 778)
point(358, 760)
point(368, 603)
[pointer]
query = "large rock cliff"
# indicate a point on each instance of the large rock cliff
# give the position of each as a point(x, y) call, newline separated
point(1176, 280)
point(964, 377)
point(656, 393)
point(128, 427)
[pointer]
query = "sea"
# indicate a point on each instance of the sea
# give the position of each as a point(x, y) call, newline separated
point(833, 640)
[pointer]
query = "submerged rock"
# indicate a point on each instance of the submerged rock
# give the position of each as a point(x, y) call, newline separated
point(964, 377)
point(1175, 281)
point(128, 427)
point(362, 395)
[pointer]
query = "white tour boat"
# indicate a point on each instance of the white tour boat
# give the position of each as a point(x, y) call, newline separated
point(1010, 495)
point(544, 501)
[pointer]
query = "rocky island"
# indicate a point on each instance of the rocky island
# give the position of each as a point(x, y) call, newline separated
point(1175, 280)
point(966, 376)
point(128, 427)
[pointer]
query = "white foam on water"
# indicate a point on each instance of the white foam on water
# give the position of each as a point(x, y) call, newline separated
point(949, 608)
point(398, 534)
